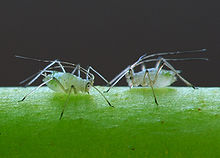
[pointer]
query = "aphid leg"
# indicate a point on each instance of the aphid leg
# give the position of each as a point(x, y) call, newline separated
point(159, 68)
point(158, 63)
point(118, 78)
point(41, 72)
point(115, 80)
point(172, 68)
point(87, 75)
point(131, 72)
point(150, 83)
point(61, 66)
point(71, 88)
point(76, 68)
point(35, 89)
point(103, 96)
point(58, 82)
point(119, 75)
point(28, 78)
point(158, 71)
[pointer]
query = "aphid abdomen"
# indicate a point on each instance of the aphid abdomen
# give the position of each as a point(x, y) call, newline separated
point(165, 78)
point(55, 83)
point(62, 82)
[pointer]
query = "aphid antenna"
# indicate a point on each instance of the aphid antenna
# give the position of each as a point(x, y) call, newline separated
point(172, 53)
point(47, 61)
point(180, 59)
point(62, 62)
point(28, 58)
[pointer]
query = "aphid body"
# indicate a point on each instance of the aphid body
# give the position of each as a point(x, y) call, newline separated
point(164, 78)
point(65, 82)
point(155, 77)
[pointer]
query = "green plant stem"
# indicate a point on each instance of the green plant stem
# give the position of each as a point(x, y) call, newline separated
point(185, 124)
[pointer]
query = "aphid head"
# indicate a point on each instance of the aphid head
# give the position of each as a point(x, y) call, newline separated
point(88, 86)
point(129, 77)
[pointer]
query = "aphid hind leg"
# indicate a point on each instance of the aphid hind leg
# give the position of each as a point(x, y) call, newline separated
point(150, 83)
point(35, 89)
point(60, 85)
point(172, 68)
point(41, 72)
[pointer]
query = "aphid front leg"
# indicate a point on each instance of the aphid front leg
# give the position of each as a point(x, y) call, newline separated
point(150, 83)
point(70, 90)
point(91, 68)
point(172, 68)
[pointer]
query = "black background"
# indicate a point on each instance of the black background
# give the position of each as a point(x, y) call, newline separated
point(109, 35)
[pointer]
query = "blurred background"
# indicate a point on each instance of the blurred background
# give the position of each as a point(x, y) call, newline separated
point(109, 35)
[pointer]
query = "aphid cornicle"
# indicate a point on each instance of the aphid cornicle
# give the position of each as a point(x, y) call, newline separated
point(64, 82)
point(155, 77)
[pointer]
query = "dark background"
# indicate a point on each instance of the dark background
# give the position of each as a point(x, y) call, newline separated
point(109, 35)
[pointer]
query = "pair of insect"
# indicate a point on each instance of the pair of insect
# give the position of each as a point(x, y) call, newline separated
point(72, 82)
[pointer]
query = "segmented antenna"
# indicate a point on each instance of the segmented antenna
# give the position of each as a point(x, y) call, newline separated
point(172, 53)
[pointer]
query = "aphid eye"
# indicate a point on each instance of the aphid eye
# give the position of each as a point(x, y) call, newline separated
point(88, 85)
point(131, 78)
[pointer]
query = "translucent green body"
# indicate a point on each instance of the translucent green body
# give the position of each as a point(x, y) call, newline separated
point(62, 82)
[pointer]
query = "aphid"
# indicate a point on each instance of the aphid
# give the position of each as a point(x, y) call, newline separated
point(64, 82)
point(155, 77)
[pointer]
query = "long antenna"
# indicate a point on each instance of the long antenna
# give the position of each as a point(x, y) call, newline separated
point(28, 58)
point(180, 59)
point(172, 53)
point(63, 62)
